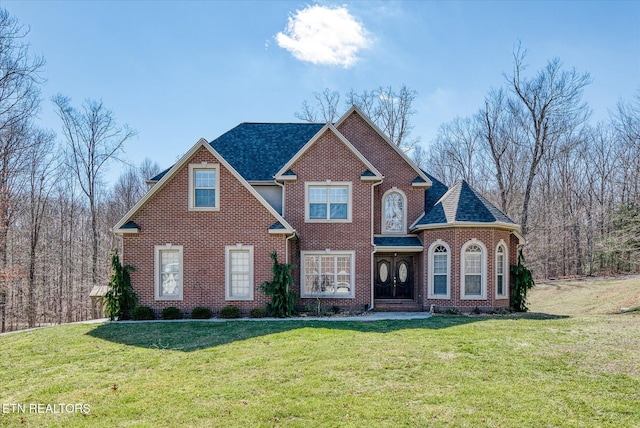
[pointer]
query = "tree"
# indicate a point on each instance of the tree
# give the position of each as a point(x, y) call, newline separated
point(19, 101)
point(391, 111)
point(547, 107)
point(93, 139)
point(41, 179)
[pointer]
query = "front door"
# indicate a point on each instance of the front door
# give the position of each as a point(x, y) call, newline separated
point(394, 277)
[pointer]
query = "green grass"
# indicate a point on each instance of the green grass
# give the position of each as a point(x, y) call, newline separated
point(533, 370)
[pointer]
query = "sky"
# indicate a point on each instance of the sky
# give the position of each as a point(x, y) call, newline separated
point(179, 71)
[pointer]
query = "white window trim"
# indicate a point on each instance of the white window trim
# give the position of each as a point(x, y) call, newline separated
point(505, 271)
point(404, 211)
point(483, 272)
point(328, 183)
point(227, 271)
point(352, 274)
point(157, 276)
point(192, 190)
point(430, 291)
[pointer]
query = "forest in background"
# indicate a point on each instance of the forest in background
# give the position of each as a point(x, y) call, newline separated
point(531, 149)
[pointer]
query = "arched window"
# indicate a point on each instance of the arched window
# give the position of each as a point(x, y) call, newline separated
point(502, 272)
point(439, 268)
point(474, 268)
point(394, 213)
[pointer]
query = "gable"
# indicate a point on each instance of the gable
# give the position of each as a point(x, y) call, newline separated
point(376, 147)
point(330, 135)
point(203, 152)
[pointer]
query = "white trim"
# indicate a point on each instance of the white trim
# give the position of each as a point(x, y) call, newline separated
point(518, 234)
point(193, 167)
point(227, 271)
point(280, 174)
point(328, 185)
point(431, 284)
point(404, 156)
point(483, 271)
point(496, 224)
point(128, 230)
point(384, 210)
point(413, 249)
point(175, 168)
point(157, 281)
point(333, 253)
point(505, 271)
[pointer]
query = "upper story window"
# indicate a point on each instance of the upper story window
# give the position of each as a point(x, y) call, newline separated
point(502, 272)
point(394, 213)
point(328, 202)
point(474, 268)
point(204, 187)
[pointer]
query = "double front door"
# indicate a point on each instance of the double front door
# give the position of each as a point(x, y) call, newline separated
point(394, 277)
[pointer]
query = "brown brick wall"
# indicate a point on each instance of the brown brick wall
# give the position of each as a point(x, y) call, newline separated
point(329, 159)
point(456, 238)
point(165, 218)
point(397, 173)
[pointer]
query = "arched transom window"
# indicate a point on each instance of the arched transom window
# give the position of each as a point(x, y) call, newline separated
point(394, 216)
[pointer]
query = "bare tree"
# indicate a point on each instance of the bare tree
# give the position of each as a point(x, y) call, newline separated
point(94, 139)
point(547, 106)
point(391, 111)
point(325, 109)
point(41, 179)
point(19, 100)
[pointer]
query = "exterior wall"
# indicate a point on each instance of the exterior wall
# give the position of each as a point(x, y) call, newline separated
point(329, 159)
point(396, 171)
point(165, 218)
point(456, 237)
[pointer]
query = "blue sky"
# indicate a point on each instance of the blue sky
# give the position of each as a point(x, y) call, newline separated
point(178, 71)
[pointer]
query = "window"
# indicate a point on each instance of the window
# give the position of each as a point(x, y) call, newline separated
point(474, 270)
point(328, 202)
point(204, 187)
point(502, 272)
point(439, 262)
point(168, 272)
point(239, 272)
point(394, 212)
point(327, 274)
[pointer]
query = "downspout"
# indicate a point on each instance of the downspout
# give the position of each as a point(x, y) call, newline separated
point(286, 246)
point(373, 285)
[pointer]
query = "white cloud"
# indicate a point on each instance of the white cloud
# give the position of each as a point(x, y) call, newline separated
point(324, 35)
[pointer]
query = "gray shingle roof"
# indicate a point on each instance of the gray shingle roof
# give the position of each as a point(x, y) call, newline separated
point(397, 241)
point(463, 204)
point(259, 150)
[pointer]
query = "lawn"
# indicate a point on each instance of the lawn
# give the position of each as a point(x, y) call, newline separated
point(567, 369)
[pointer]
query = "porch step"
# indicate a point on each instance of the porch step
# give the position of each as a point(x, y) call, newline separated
point(396, 305)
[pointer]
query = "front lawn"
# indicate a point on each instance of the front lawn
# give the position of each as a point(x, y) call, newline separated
point(443, 371)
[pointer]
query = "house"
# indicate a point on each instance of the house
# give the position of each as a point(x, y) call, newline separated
point(366, 227)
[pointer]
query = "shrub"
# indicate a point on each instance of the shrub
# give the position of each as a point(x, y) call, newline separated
point(283, 300)
point(522, 283)
point(335, 309)
point(201, 313)
point(143, 313)
point(476, 311)
point(230, 311)
point(258, 313)
point(171, 313)
point(120, 299)
point(452, 311)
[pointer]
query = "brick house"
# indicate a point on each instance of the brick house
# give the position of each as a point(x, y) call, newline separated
point(366, 228)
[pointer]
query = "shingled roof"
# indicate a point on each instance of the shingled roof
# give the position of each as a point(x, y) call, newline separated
point(258, 150)
point(462, 204)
